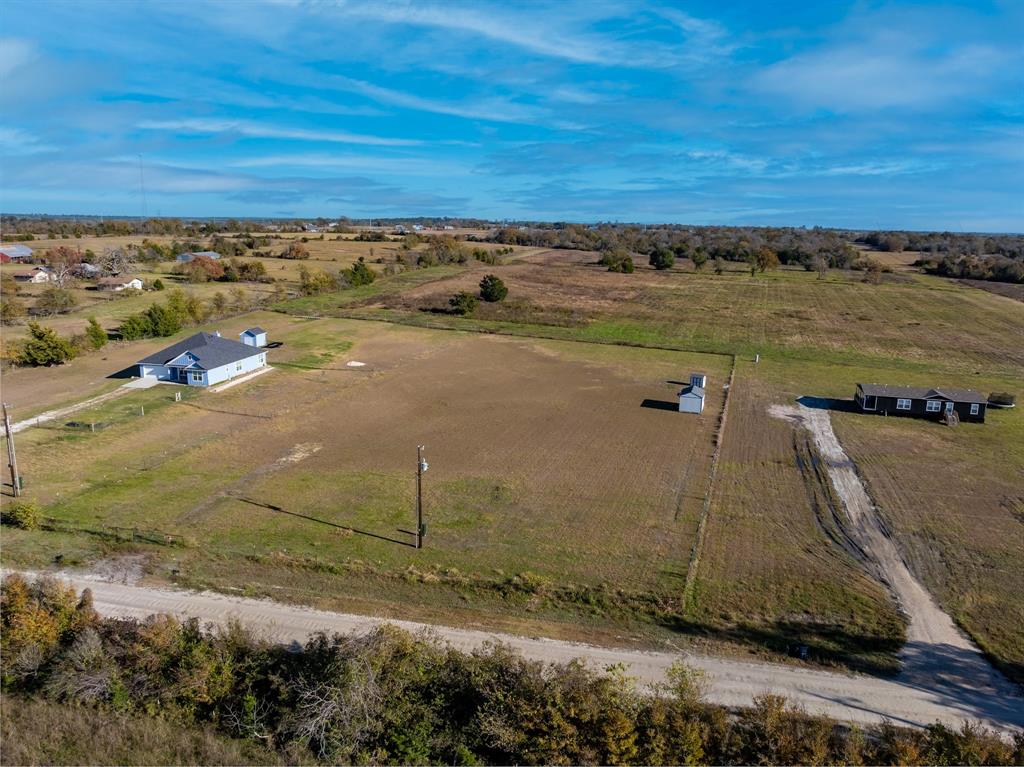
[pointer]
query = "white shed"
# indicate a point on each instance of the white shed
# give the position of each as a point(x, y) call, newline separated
point(253, 337)
point(691, 396)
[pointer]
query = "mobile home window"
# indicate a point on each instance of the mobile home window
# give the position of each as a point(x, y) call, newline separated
point(903, 404)
point(934, 406)
point(975, 408)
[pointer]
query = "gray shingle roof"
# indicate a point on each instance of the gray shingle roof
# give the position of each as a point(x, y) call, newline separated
point(254, 330)
point(209, 350)
point(922, 392)
point(695, 390)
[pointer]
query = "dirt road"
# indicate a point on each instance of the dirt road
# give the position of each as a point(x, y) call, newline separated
point(854, 698)
point(51, 415)
point(937, 655)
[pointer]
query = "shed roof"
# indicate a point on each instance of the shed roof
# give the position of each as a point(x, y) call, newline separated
point(692, 391)
point(922, 392)
point(16, 251)
point(254, 331)
point(211, 351)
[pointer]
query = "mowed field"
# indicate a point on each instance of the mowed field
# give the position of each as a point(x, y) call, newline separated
point(561, 482)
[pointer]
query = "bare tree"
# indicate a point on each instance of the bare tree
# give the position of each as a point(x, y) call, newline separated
point(116, 261)
point(62, 261)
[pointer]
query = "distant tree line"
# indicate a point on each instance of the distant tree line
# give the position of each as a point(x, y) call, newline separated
point(699, 244)
point(387, 697)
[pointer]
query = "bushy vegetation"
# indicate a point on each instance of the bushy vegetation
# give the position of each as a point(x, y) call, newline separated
point(493, 289)
point(617, 260)
point(165, 319)
point(45, 347)
point(359, 274)
point(21, 514)
point(390, 698)
point(95, 334)
point(463, 303)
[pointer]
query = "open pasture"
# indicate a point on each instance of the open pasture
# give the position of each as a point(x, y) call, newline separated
point(776, 565)
point(788, 312)
point(559, 468)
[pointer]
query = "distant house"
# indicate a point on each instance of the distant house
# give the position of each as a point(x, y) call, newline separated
point(122, 282)
point(36, 274)
point(10, 253)
point(186, 257)
point(691, 396)
point(87, 270)
point(253, 337)
point(202, 360)
point(921, 402)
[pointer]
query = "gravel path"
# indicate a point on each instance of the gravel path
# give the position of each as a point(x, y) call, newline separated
point(937, 655)
point(51, 415)
point(854, 698)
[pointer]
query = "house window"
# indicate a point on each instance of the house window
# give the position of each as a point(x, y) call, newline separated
point(933, 406)
point(196, 376)
point(903, 404)
point(238, 366)
point(975, 408)
point(949, 407)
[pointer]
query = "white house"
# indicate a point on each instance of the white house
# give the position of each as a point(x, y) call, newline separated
point(204, 359)
point(123, 282)
point(253, 337)
point(691, 396)
point(36, 274)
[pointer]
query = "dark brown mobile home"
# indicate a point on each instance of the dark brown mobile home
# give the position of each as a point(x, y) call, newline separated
point(920, 402)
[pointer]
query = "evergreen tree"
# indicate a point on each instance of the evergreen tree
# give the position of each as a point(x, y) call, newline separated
point(97, 335)
point(492, 289)
point(45, 347)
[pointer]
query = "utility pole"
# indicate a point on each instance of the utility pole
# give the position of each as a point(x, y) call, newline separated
point(421, 467)
point(12, 459)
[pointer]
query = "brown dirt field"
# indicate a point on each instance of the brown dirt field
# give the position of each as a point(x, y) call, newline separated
point(543, 460)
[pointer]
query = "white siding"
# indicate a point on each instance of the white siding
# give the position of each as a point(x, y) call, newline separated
point(691, 403)
point(160, 372)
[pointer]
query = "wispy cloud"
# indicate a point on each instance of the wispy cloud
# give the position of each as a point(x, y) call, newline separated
point(252, 129)
point(15, 53)
point(875, 62)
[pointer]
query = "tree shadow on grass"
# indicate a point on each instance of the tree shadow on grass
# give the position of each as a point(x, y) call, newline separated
point(280, 510)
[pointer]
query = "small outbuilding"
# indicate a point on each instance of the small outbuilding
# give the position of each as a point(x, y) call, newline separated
point(117, 284)
point(37, 274)
point(253, 337)
point(10, 253)
point(691, 396)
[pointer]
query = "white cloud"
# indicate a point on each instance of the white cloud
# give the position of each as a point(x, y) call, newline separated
point(15, 53)
point(870, 63)
point(14, 141)
point(261, 130)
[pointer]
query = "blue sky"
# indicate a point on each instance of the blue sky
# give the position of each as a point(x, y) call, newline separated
point(862, 114)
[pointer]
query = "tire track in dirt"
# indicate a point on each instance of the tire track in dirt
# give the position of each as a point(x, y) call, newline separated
point(937, 656)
